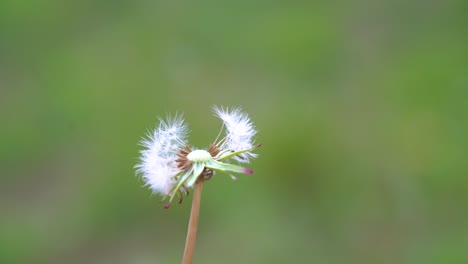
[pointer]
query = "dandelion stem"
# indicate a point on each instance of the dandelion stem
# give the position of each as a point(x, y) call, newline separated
point(193, 224)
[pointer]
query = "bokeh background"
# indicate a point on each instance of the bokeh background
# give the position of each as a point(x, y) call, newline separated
point(361, 106)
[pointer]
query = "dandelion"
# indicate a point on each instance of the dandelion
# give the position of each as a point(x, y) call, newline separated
point(170, 167)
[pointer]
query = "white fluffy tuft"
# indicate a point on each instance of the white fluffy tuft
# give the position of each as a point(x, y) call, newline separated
point(157, 162)
point(239, 132)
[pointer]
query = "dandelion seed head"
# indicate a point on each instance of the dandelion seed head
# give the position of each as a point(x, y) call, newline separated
point(170, 167)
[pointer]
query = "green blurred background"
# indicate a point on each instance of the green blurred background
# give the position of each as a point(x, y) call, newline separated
point(361, 106)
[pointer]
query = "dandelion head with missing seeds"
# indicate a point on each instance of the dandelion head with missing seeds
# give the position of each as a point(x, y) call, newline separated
point(170, 167)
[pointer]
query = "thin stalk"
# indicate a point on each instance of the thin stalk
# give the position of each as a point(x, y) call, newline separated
point(193, 224)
